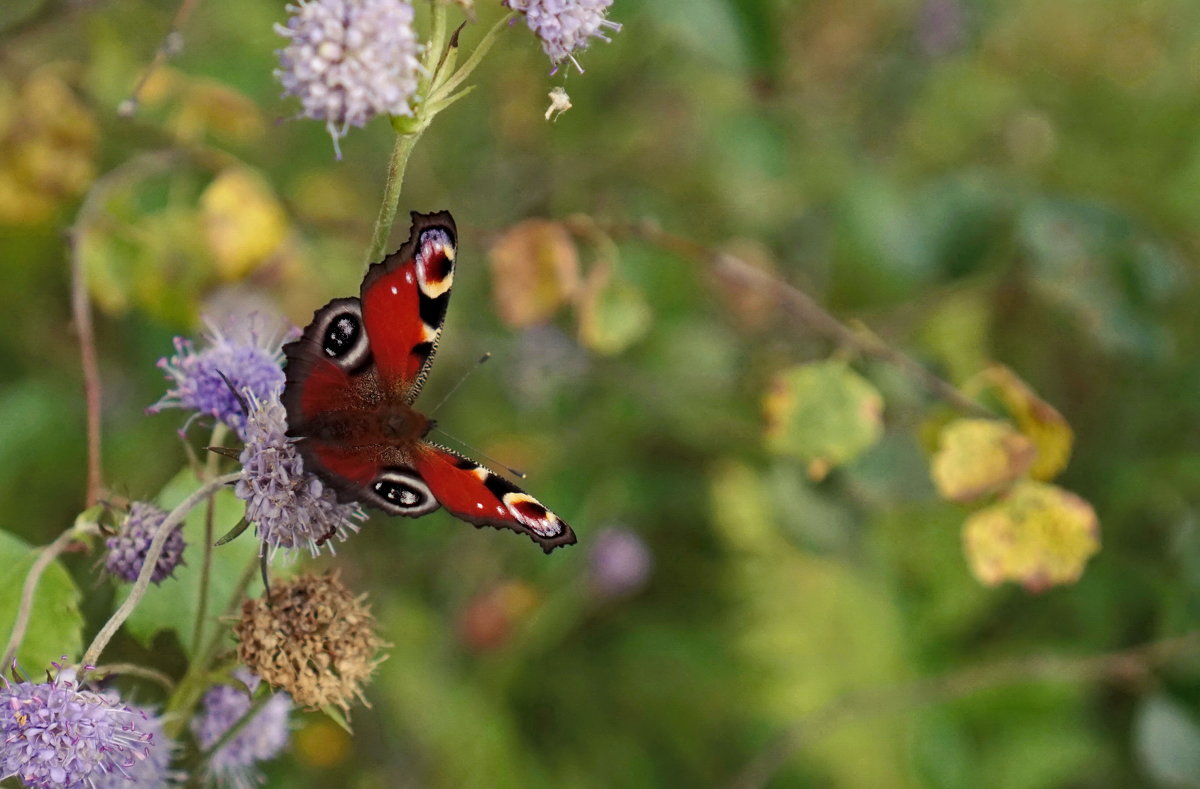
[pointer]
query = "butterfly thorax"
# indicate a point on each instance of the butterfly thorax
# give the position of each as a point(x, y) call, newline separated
point(387, 423)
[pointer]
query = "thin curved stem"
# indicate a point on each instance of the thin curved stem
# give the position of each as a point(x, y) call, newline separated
point(133, 670)
point(164, 530)
point(25, 609)
point(1126, 664)
point(791, 300)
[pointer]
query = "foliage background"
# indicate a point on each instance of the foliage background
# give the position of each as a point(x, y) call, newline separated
point(977, 181)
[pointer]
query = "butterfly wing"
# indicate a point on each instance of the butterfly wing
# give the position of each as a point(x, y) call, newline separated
point(404, 300)
point(484, 498)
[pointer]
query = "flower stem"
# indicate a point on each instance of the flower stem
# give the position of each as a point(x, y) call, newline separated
point(172, 520)
point(391, 195)
point(191, 688)
point(210, 469)
point(25, 608)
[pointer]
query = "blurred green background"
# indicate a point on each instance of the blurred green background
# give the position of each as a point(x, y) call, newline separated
point(976, 181)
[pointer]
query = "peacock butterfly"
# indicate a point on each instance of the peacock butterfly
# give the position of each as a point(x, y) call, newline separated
point(352, 378)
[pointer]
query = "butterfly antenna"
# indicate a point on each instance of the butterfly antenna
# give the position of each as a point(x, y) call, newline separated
point(241, 398)
point(473, 450)
point(465, 375)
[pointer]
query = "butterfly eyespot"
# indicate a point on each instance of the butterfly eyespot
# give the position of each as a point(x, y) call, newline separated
point(342, 335)
point(402, 492)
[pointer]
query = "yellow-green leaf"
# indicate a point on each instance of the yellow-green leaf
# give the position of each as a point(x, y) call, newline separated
point(1036, 418)
point(823, 413)
point(55, 625)
point(977, 457)
point(243, 221)
point(535, 270)
point(613, 314)
point(1039, 535)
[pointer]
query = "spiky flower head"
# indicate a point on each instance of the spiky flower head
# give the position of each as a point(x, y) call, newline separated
point(127, 548)
point(289, 507)
point(152, 772)
point(55, 734)
point(236, 762)
point(565, 26)
point(311, 637)
point(350, 60)
point(240, 351)
point(619, 562)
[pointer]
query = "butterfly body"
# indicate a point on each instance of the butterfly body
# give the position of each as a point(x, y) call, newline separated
point(352, 378)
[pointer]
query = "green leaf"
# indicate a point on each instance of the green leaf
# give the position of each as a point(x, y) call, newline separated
point(613, 313)
point(172, 605)
point(1167, 738)
point(55, 624)
point(823, 413)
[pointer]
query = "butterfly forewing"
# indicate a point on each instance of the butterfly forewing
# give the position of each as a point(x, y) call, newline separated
point(404, 302)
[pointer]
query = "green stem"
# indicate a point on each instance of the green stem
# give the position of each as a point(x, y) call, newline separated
point(191, 688)
point(210, 470)
point(443, 89)
point(391, 195)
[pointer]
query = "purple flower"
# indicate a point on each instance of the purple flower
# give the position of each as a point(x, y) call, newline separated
point(240, 352)
point(53, 734)
point(127, 549)
point(619, 562)
point(289, 507)
point(350, 60)
point(565, 25)
point(236, 762)
point(153, 771)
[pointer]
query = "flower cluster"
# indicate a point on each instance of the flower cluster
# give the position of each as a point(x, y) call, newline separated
point(350, 60)
point(238, 357)
point(236, 762)
point(311, 637)
point(290, 508)
point(54, 734)
point(127, 549)
point(564, 26)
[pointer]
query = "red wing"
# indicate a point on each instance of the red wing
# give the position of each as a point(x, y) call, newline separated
point(481, 497)
point(404, 300)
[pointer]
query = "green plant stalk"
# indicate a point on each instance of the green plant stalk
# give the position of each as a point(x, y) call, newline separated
point(391, 195)
point(189, 691)
point(210, 470)
point(435, 95)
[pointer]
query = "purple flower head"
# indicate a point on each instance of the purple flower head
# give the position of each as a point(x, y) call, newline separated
point(239, 351)
point(564, 26)
point(619, 563)
point(236, 762)
point(54, 734)
point(350, 60)
point(152, 772)
point(289, 507)
point(127, 549)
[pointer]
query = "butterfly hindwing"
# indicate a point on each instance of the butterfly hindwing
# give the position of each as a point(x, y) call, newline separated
point(484, 498)
point(404, 300)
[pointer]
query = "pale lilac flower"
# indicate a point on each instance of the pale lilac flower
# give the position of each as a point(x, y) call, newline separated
point(289, 507)
point(54, 734)
point(249, 358)
point(564, 26)
point(152, 772)
point(235, 764)
point(619, 562)
point(350, 60)
point(127, 548)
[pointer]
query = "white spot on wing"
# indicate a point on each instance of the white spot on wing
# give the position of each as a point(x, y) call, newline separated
point(395, 290)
